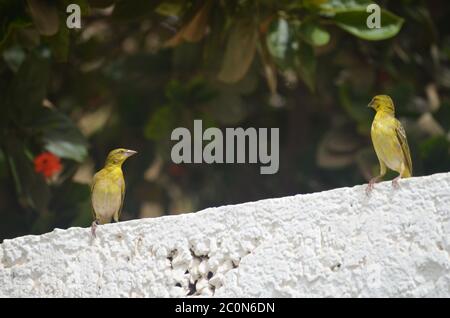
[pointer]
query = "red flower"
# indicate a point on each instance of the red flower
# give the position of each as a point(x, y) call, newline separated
point(47, 164)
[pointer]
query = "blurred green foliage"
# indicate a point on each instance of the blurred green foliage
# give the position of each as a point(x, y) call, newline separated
point(138, 69)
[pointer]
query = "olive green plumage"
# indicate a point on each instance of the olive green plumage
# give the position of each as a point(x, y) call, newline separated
point(389, 140)
point(108, 188)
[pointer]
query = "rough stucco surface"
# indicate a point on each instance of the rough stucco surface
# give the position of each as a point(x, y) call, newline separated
point(337, 243)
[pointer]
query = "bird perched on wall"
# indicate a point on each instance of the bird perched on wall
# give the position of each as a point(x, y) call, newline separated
point(389, 141)
point(108, 188)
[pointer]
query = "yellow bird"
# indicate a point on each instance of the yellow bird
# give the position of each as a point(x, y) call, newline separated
point(389, 141)
point(108, 188)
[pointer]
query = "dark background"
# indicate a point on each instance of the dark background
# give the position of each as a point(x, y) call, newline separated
point(138, 69)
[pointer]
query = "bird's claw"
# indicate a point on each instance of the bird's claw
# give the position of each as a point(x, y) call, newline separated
point(395, 183)
point(371, 186)
point(94, 228)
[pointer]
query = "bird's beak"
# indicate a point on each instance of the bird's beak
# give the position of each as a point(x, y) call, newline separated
point(130, 153)
point(370, 104)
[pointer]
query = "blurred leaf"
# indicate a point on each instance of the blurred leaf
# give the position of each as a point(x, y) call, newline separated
point(229, 108)
point(428, 124)
point(239, 52)
point(270, 70)
point(45, 16)
point(170, 8)
point(310, 4)
point(289, 52)
point(337, 149)
point(43, 223)
point(60, 135)
point(101, 3)
point(357, 108)
point(31, 187)
point(313, 34)
point(29, 86)
point(83, 4)
point(196, 91)
point(175, 92)
point(14, 57)
point(3, 165)
point(28, 38)
point(402, 92)
point(161, 123)
point(355, 22)
point(305, 63)
point(443, 115)
point(421, 14)
point(127, 10)
point(59, 44)
point(435, 153)
point(279, 41)
point(367, 162)
point(71, 204)
point(199, 90)
point(195, 29)
point(13, 17)
point(6, 31)
point(336, 6)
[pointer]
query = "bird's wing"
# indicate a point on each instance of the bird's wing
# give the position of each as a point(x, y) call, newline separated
point(94, 180)
point(401, 137)
point(119, 211)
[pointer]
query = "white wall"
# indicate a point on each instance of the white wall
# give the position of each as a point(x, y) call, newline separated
point(337, 243)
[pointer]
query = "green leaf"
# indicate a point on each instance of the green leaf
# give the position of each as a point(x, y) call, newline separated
point(314, 34)
point(351, 16)
point(239, 53)
point(355, 22)
point(60, 135)
point(31, 188)
point(332, 7)
point(199, 90)
point(29, 86)
point(278, 40)
point(289, 52)
point(305, 63)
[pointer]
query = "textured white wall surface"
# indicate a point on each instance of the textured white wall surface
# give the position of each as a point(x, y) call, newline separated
point(338, 243)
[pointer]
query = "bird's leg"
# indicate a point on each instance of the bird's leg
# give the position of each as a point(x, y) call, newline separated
point(372, 181)
point(395, 182)
point(371, 184)
point(94, 228)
